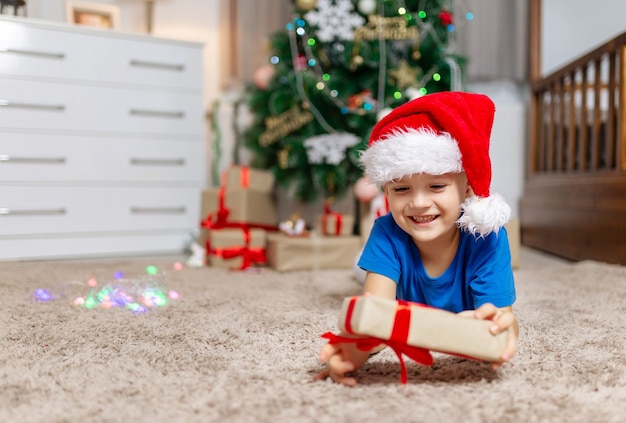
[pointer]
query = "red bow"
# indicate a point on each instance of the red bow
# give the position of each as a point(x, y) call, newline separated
point(397, 341)
point(250, 255)
point(417, 354)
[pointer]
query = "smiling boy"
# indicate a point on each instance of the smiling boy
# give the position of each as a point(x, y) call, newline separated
point(443, 243)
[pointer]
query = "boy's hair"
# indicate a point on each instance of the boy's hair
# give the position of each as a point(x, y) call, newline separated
point(440, 133)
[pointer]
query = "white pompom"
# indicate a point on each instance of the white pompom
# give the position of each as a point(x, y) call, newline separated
point(481, 216)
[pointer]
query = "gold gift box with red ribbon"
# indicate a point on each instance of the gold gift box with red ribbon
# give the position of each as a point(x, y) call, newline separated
point(412, 324)
point(223, 207)
point(236, 248)
point(333, 223)
point(244, 199)
point(287, 253)
point(249, 178)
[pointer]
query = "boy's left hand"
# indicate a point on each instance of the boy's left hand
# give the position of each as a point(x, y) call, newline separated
point(503, 319)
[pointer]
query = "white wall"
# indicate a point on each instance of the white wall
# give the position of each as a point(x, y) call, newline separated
point(570, 28)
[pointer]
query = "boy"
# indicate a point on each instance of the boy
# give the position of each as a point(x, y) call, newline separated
point(443, 242)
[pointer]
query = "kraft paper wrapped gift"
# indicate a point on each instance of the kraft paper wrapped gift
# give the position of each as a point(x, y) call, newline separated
point(335, 224)
point(286, 253)
point(249, 178)
point(236, 248)
point(243, 206)
point(421, 326)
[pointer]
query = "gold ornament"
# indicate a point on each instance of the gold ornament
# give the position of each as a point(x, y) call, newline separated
point(394, 28)
point(405, 76)
point(284, 124)
point(283, 159)
point(357, 61)
point(306, 5)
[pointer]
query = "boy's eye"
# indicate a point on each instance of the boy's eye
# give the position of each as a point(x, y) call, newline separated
point(438, 186)
point(400, 189)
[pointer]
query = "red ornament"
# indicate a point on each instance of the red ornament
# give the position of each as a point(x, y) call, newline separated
point(445, 18)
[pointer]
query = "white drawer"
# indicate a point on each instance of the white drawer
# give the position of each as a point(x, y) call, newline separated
point(92, 55)
point(26, 210)
point(41, 105)
point(28, 157)
point(101, 245)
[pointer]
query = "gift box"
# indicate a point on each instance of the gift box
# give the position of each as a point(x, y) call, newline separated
point(249, 178)
point(286, 253)
point(236, 248)
point(237, 206)
point(335, 224)
point(420, 326)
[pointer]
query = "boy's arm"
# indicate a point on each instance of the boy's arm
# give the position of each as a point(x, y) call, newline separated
point(344, 358)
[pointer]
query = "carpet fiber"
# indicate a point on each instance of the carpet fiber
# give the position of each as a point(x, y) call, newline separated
point(242, 347)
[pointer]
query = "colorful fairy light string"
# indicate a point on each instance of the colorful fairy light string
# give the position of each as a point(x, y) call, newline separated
point(136, 295)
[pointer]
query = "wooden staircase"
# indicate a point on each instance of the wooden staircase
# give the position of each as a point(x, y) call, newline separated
point(574, 201)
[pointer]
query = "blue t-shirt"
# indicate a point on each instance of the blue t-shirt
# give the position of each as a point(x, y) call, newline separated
point(479, 273)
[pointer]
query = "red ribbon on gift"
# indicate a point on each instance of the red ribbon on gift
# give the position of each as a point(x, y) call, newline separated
point(219, 219)
point(244, 176)
point(397, 341)
point(328, 214)
point(250, 254)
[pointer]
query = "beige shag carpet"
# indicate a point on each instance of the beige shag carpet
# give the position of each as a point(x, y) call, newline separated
point(242, 347)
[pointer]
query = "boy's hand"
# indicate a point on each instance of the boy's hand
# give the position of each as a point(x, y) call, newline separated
point(341, 359)
point(503, 319)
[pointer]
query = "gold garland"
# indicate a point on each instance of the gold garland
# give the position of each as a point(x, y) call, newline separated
point(284, 124)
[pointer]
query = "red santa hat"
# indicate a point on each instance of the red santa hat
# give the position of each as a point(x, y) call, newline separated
point(440, 133)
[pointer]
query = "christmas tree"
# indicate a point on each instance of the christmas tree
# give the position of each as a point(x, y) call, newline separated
point(334, 70)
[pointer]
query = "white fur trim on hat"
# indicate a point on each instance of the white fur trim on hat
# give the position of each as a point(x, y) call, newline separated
point(411, 151)
point(481, 216)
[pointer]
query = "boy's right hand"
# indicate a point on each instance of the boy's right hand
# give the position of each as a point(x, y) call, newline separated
point(340, 359)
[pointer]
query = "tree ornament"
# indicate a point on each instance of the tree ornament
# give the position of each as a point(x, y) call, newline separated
point(283, 158)
point(335, 19)
point(364, 190)
point(306, 5)
point(405, 76)
point(262, 76)
point(356, 61)
point(367, 7)
point(329, 148)
point(445, 17)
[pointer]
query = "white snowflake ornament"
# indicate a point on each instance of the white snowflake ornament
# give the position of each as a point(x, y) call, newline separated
point(335, 19)
point(329, 148)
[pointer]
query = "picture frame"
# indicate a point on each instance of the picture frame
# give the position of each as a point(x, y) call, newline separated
point(97, 15)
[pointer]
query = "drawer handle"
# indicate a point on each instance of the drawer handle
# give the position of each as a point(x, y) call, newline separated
point(157, 113)
point(44, 54)
point(34, 106)
point(5, 211)
point(36, 160)
point(158, 210)
point(157, 162)
point(156, 65)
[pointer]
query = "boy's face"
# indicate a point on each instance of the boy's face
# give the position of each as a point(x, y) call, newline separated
point(427, 206)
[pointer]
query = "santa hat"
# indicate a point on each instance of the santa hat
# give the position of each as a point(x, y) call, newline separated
point(439, 133)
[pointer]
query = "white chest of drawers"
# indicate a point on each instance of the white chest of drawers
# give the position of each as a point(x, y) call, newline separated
point(102, 142)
